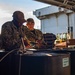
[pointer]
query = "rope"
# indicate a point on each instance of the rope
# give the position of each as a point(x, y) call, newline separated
point(7, 55)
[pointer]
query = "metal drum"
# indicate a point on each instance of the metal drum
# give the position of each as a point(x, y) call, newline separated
point(42, 64)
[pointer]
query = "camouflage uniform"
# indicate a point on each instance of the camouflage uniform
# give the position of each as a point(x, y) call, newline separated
point(38, 36)
point(11, 35)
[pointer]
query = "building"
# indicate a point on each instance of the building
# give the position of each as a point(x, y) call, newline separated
point(56, 20)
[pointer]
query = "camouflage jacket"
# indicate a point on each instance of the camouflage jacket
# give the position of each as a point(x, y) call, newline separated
point(38, 36)
point(11, 35)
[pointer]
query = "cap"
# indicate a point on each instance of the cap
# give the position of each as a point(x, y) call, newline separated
point(19, 15)
point(30, 20)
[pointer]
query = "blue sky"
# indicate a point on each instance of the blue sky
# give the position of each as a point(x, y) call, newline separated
point(7, 7)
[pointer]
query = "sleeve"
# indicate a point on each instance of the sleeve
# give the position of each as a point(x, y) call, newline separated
point(6, 31)
point(40, 36)
point(41, 42)
point(7, 36)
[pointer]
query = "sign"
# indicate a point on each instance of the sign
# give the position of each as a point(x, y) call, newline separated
point(65, 62)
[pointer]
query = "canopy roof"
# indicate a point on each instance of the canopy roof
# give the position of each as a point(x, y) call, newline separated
point(68, 4)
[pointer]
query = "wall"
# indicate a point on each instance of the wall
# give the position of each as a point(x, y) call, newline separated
point(55, 21)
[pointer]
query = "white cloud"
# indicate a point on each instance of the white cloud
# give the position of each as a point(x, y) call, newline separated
point(6, 15)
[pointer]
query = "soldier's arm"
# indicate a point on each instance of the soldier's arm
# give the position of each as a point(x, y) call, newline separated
point(6, 34)
point(41, 37)
point(6, 31)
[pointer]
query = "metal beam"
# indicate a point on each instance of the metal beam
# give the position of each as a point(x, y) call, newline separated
point(68, 4)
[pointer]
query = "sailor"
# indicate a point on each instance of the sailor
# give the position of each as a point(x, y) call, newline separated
point(36, 40)
point(13, 31)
